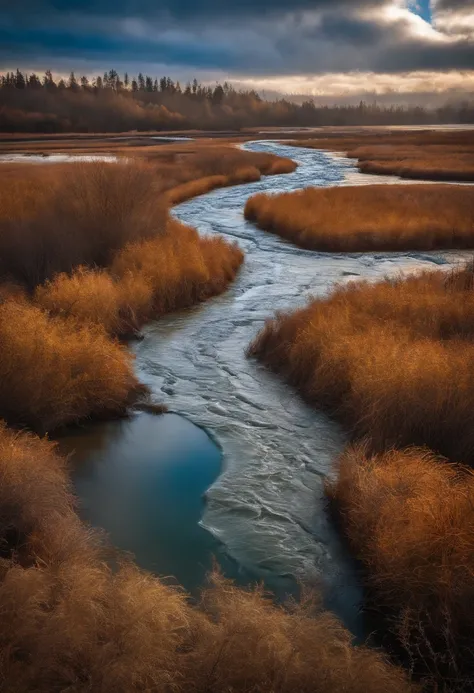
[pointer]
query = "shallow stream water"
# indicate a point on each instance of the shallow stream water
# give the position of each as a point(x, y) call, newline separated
point(265, 505)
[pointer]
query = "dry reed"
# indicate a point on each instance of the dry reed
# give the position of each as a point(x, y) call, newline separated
point(55, 371)
point(70, 622)
point(423, 155)
point(390, 360)
point(369, 218)
point(410, 519)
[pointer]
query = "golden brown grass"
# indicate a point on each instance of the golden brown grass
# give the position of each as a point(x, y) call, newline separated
point(392, 360)
point(146, 280)
point(376, 217)
point(69, 215)
point(410, 519)
point(54, 371)
point(200, 186)
point(419, 165)
point(70, 622)
point(428, 155)
point(93, 246)
point(79, 215)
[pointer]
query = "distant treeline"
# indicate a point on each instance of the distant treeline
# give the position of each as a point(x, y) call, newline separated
point(112, 103)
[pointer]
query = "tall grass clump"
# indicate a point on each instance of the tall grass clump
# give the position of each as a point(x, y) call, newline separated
point(146, 280)
point(181, 267)
point(369, 218)
point(80, 216)
point(390, 360)
point(72, 622)
point(409, 517)
point(94, 296)
point(55, 371)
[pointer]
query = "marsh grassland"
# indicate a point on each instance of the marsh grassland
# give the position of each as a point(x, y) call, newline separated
point(393, 362)
point(425, 155)
point(88, 253)
point(369, 218)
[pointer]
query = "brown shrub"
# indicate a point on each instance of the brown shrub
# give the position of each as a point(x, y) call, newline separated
point(390, 360)
point(146, 280)
point(54, 371)
point(368, 218)
point(410, 519)
point(246, 174)
point(193, 188)
point(70, 622)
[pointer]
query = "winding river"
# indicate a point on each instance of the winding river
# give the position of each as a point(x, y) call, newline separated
point(266, 507)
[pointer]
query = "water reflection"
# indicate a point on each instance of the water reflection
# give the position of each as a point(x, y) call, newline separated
point(143, 480)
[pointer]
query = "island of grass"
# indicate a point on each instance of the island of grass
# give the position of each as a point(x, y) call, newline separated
point(369, 218)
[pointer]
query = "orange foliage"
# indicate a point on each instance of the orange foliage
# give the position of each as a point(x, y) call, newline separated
point(145, 280)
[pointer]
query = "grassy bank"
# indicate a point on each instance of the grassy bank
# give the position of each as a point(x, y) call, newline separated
point(54, 371)
point(392, 360)
point(410, 521)
point(358, 219)
point(69, 622)
point(88, 252)
point(428, 155)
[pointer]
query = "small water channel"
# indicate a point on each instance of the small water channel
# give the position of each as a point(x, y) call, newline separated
point(264, 514)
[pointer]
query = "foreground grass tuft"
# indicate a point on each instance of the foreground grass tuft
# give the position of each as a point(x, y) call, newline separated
point(146, 280)
point(70, 622)
point(54, 371)
point(409, 518)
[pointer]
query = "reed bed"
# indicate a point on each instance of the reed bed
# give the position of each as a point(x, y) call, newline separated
point(422, 155)
point(71, 622)
point(55, 371)
point(87, 253)
point(145, 280)
point(409, 518)
point(391, 360)
point(369, 218)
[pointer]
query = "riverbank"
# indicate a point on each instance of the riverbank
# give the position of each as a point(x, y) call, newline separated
point(122, 262)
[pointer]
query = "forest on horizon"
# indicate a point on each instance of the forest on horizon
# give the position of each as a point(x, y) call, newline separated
point(112, 103)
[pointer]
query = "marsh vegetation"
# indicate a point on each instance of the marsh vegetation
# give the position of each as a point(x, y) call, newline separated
point(369, 218)
point(392, 361)
point(425, 155)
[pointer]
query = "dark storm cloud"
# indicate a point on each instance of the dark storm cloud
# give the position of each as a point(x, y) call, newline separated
point(184, 9)
point(456, 5)
point(244, 37)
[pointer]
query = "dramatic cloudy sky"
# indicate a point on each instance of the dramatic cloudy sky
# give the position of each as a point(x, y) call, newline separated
point(327, 48)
